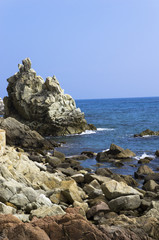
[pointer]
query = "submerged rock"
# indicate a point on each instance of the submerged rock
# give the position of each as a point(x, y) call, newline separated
point(42, 104)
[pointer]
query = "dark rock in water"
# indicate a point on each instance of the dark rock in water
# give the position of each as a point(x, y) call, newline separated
point(157, 153)
point(144, 161)
point(1, 107)
point(147, 132)
point(42, 105)
point(115, 152)
point(19, 134)
point(88, 154)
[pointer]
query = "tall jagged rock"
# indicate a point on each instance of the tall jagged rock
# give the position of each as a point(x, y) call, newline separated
point(42, 104)
point(1, 107)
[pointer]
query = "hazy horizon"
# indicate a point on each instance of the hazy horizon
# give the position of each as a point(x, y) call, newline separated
point(97, 49)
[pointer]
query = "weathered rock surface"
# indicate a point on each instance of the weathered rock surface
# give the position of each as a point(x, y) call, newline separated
point(115, 152)
point(42, 104)
point(147, 132)
point(125, 203)
point(18, 134)
point(69, 226)
point(1, 107)
point(113, 189)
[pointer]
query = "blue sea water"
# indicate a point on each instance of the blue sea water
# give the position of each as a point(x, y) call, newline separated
point(117, 120)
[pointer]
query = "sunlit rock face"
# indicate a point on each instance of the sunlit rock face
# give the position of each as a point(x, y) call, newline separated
point(42, 104)
point(1, 107)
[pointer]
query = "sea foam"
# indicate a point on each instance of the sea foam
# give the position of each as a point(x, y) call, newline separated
point(144, 155)
point(105, 129)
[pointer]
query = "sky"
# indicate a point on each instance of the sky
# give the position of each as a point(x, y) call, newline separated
point(95, 48)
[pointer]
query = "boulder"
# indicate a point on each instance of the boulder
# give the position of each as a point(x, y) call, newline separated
point(79, 177)
point(147, 132)
point(104, 172)
point(150, 185)
point(115, 152)
point(18, 134)
point(42, 105)
point(142, 171)
point(71, 192)
point(130, 202)
point(93, 189)
point(113, 189)
point(4, 209)
point(44, 211)
point(100, 207)
point(19, 200)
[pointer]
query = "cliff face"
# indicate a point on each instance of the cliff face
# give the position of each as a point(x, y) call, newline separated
point(42, 104)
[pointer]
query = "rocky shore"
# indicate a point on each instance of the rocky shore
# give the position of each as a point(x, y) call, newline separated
point(47, 195)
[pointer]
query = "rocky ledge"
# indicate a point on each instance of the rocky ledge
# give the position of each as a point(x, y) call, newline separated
point(42, 105)
point(1, 107)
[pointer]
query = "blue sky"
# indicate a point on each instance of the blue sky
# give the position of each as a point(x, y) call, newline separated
point(95, 48)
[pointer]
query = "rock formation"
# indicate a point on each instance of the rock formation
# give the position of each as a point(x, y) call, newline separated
point(42, 104)
point(1, 107)
point(147, 132)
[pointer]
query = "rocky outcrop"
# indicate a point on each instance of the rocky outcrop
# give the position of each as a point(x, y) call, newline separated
point(42, 104)
point(1, 107)
point(115, 152)
point(147, 132)
point(20, 135)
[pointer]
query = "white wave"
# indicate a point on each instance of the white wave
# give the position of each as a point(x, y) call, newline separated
point(106, 150)
point(88, 132)
point(91, 131)
point(148, 136)
point(144, 155)
point(105, 129)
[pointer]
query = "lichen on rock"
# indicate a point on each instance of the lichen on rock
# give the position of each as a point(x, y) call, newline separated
point(42, 104)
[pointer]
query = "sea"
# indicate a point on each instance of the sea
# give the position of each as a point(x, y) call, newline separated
point(116, 120)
